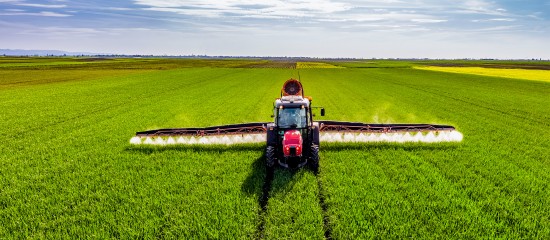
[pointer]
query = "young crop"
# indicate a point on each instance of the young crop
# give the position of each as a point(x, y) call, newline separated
point(293, 209)
point(71, 174)
point(476, 188)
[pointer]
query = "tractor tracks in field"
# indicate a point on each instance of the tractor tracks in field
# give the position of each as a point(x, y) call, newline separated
point(262, 201)
point(324, 208)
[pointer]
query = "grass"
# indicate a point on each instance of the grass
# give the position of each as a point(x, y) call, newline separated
point(67, 169)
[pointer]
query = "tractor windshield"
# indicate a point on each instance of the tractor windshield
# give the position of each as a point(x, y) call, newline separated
point(292, 118)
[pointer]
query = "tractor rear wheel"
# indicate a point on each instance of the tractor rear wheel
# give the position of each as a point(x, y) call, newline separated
point(314, 158)
point(270, 157)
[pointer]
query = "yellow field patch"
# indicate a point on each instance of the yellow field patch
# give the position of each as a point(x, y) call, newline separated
point(315, 65)
point(526, 74)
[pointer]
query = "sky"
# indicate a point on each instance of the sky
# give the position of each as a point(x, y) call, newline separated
point(505, 29)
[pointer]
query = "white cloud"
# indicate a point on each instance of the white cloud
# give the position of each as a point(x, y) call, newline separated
point(327, 11)
point(247, 8)
point(119, 9)
point(55, 32)
point(428, 20)
point(37, 5)
point(333, 16)
point(502, 19)
point(50, 31)
point(53, 14)
point(384, 16)
point(498, 29)
point(482, 7)
point(39, 14)
point(536, 16)
point(387, 28)
point(495, 20)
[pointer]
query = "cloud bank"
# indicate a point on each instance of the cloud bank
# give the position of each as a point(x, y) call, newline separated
point(319, 28)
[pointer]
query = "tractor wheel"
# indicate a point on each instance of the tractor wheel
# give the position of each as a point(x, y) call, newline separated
point(314, 158)
point(270, 157)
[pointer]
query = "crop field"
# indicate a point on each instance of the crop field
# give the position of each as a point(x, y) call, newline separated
point(527, 74)
point(302, 65)
point(67, 169)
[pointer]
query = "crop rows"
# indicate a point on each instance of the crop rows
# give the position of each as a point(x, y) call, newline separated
point(477, 188)
point(68, 170)
point(71, 172)
point(272, 64)
point(306, 65)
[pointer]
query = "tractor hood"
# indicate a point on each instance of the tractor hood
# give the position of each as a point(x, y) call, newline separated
point(292, 143)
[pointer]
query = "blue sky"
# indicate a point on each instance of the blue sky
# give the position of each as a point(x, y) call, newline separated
point(314, 28)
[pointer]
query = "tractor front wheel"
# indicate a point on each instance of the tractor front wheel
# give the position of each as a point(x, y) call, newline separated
point(270, 157)
point(314, 158)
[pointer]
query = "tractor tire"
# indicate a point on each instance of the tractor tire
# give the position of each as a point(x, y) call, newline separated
point(315, 134)
point(314, 158)
point(270, 159)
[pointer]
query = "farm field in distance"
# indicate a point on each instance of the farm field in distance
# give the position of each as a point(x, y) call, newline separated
point(527, 74)
point(67, 168)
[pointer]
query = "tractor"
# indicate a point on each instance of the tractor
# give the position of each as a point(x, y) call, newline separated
point(293, 138)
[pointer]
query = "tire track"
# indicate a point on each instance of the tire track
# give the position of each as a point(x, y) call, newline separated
point(324, 208)
point(262, 201)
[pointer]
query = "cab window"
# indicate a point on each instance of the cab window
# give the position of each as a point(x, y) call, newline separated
point(292, 118)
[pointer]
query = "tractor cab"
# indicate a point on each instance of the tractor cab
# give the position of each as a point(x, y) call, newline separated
point(291, 118)
point(292, 115)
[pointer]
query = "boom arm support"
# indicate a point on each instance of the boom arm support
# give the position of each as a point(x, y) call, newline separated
point(325, 126)
point(233, 129)
point(224, 134)
point(335, 131)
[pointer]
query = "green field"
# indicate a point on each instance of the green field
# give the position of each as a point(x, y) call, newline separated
point(67, 169)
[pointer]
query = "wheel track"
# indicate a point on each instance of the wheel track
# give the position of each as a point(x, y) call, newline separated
point(324, 208)
point(262, 201)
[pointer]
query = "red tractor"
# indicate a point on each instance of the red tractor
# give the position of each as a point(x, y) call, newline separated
point(293, 138)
